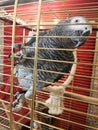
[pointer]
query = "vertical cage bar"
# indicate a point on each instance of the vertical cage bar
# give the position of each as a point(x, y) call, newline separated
point(35, 63)
point(24, 35)
point(1, 49)
point(92, 108)
point(12, 66)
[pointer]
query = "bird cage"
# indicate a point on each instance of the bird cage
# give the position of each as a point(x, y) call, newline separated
point(48, 66)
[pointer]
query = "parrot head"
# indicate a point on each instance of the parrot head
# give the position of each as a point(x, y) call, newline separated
point(79, 28)
point(82, 28)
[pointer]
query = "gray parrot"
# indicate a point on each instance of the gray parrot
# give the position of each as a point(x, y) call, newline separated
point(51, 59)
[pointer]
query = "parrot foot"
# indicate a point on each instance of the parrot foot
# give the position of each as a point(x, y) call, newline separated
point(55, 102)
point(18, 103)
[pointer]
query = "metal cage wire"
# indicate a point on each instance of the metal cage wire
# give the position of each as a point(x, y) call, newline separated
point(80, 96)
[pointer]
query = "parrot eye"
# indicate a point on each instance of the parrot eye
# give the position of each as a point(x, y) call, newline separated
point(85, 28)
point(76, 20)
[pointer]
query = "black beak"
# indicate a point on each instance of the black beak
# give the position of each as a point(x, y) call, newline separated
point(86, 33)
point(80, 41)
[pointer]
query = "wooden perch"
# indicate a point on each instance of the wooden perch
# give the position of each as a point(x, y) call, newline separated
point(81, 97)
point(8, 17)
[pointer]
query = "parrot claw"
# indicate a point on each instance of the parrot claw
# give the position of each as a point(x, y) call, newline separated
point(18, 103)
